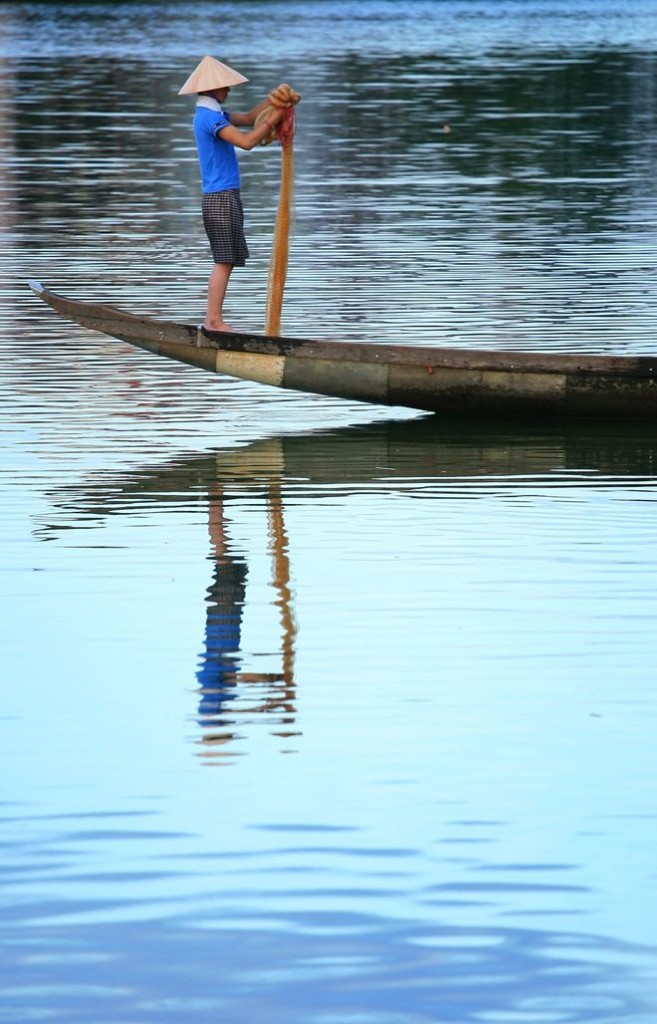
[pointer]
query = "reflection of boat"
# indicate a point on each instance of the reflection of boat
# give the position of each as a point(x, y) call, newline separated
point(397, 455)
point(463, 382)
point(418, 456)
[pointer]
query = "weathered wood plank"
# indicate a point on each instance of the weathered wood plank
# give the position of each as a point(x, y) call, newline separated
point(366, 382)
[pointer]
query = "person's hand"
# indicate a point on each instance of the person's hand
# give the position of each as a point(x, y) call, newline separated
point(284, 96)
point(270, 116)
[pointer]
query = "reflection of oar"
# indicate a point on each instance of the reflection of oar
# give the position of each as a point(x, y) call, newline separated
point(279, 550)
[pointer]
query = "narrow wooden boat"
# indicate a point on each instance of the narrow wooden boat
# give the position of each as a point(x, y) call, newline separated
point(451, 381)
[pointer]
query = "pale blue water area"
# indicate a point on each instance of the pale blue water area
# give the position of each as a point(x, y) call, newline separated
point(314, 712)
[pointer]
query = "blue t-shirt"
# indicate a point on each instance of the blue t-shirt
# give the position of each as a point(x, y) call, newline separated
point(217, 158)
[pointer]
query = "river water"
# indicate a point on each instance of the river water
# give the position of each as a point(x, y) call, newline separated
point(314, 712)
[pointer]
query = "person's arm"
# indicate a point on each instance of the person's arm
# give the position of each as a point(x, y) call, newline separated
point(245, 120)
point(247, 140)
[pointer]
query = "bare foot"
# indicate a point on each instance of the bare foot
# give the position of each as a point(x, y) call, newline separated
point(219, 325)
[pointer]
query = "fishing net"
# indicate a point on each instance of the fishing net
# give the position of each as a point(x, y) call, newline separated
point(286, 97)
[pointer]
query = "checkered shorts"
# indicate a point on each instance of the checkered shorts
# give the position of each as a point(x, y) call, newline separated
point(223, 220)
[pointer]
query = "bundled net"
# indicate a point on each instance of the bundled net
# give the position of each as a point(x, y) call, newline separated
point(286, 97)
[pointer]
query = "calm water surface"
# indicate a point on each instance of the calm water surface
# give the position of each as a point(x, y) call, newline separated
point(313, 712)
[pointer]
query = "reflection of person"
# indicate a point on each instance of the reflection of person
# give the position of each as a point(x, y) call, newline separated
point(217, 134)
point(220, 676)
point(220, 661)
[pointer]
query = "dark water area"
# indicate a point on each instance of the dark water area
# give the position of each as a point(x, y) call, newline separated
point(530, 225)
point(314, 712)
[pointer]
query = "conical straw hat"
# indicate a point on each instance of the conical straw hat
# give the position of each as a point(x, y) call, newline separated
point(211, 74)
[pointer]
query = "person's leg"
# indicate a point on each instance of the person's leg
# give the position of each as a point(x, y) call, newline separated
point(217, 285)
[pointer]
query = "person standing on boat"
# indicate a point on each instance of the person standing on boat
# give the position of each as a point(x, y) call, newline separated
point(217, 134)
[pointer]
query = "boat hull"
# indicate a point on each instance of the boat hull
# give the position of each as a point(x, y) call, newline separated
point(454, 382)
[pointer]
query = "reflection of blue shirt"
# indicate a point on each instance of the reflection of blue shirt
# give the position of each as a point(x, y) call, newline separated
point(217, 158)
point(221, 658)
